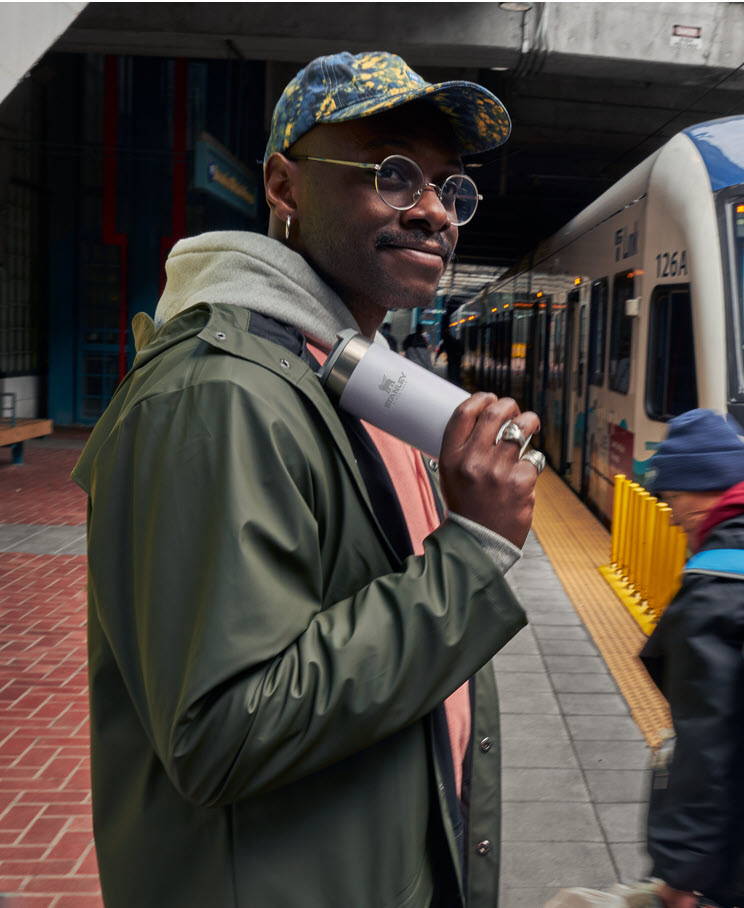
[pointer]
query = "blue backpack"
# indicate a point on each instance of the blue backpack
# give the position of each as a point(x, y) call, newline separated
point(717, 562)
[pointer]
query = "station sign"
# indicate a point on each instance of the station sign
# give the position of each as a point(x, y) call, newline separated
point(686, 36)
point(223, 176)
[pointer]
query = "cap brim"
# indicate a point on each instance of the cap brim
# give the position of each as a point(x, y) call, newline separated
point(479, 120)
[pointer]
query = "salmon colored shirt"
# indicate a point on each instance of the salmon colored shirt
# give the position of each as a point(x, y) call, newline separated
point(411, 483)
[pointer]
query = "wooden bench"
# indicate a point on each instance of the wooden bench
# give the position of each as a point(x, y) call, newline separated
point(15, 432)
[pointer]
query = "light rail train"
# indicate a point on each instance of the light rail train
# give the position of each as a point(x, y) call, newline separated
point(630, 314)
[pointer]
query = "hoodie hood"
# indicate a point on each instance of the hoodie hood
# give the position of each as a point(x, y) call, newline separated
point(254, 272)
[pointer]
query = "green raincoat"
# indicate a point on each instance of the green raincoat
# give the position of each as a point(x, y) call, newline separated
point(262, 668)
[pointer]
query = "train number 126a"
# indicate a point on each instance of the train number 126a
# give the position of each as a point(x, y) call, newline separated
point(671, 264)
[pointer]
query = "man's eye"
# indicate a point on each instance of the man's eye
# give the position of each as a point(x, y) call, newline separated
point(391, 173)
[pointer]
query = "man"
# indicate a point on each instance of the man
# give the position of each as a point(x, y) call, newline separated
point(276, 613)
point(453, 348)
point(416, 347)
point(387, 332)
point(696, 812)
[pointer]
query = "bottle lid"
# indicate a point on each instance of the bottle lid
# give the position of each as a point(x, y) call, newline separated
point(342, 360)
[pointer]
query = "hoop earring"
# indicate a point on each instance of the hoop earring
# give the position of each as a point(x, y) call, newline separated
point(287, 225)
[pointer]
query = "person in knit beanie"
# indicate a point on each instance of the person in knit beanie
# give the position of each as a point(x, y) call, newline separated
point(701, 458)
point(695, 826)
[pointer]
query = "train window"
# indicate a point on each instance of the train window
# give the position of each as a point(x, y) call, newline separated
point(597, 331)
point(621, 334)
point(671, 386)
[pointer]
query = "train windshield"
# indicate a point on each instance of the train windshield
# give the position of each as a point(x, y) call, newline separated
point(737, 232)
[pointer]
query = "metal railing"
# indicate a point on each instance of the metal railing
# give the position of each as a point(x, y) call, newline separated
point(647, 553)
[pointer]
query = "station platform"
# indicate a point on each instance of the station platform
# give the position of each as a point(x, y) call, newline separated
point(578, 712)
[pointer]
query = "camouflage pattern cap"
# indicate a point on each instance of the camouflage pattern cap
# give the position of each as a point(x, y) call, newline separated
point(348, 86)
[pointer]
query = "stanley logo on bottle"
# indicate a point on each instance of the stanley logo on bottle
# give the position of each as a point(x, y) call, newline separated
point(393, 388)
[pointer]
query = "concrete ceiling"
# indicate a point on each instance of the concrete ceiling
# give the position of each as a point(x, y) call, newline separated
point(592, 88)
point(27, 34)
point(572, 138)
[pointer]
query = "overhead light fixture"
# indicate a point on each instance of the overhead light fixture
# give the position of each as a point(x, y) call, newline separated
point(498, 69)
point(515, 7)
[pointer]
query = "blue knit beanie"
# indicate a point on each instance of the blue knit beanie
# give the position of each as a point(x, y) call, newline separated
point(702, 452)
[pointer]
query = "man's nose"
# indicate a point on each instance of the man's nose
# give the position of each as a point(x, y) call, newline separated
point(429, 208)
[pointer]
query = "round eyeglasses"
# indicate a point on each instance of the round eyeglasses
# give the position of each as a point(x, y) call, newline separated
point(400, 183)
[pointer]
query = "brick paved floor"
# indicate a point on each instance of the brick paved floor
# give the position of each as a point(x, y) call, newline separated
point(46, 842)
point(566, 761)
point(40, 490)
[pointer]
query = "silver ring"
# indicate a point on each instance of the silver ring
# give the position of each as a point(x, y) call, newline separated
point(536, 458)
point(510, 431)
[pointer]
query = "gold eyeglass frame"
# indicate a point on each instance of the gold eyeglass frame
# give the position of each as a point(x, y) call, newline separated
point(417, 195)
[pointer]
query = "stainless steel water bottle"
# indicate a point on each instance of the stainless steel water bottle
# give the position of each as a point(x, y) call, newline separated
point(383, 388)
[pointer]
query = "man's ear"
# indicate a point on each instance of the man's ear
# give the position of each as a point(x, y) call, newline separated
point(280, 176)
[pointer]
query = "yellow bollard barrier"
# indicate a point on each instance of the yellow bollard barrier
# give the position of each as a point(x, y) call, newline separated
point(657, 591)
point(618, 518)
point(641, 571)
point(635, 542)
point(647, 552)
point(667, 553)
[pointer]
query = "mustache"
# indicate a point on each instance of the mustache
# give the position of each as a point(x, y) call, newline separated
point(415, 238)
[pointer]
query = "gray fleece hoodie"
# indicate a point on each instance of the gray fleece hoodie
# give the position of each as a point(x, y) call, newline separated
point(257, 273)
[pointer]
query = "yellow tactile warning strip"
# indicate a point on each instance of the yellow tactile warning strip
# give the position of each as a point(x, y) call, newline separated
point(577, 545)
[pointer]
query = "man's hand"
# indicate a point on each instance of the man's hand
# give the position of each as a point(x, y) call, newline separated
point(485, 481)
point(676, 898)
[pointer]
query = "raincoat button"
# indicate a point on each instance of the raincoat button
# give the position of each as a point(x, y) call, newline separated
point(220, 335)
point(433, 465)
point(284, 363)
point(482, 848)
point(486, 744)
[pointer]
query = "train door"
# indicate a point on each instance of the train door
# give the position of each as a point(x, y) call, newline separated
point(521, 355)
point(578, 336)
point(564, 375)
point(552, 415)
point(539, 370)
point(478, 335)
point(596, 445)
point(469, 358)
point(503, 354)
point(486, 357)
point(493, 353)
